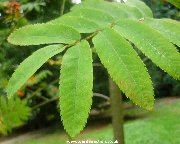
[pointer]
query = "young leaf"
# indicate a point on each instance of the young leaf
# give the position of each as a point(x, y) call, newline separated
point(76, 83)
point(30, 65)
point(152, 44)
point(44, 34)
point(80, 24)
point(141, 6)
point(167, 27)
point(125, 67)
point(99, 17)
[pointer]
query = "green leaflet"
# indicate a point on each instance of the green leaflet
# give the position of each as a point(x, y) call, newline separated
point(141, 6)
point(125, 67)
point(167, 27)
point(30, 65)
point(175, 2)
point(152, 44)
point(116, 10)
point(44, 34)
point(76, 84)
point(99, 17)
point(82, 25)
point(104, 6)
point(132, 12)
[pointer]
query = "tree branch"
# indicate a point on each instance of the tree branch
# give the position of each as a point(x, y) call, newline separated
point(101, 96)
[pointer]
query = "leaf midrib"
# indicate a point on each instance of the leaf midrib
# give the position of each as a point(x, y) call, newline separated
point(121, 61)
point(76, 83)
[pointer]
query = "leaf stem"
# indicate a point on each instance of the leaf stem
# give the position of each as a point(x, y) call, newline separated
point(101, 96)
point(92, 35)
point(57, 98)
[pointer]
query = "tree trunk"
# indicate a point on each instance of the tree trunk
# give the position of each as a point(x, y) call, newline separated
point(62, 7)
point(116, 111)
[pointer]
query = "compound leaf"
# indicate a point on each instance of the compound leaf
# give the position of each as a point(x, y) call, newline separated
point(44, 34)
point(152, 44)
point(76, 83)
point(30, 65)
point(125, 67)
point(167, 27)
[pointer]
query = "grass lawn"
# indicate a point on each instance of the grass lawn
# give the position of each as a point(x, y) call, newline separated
point(161, 126)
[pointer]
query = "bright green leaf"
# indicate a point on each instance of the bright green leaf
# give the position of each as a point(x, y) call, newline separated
point(116, 10)
point(132, 12)
point(99, 17)
point(76, 84)
point(82, 25)
point(168, 28)
point(125, 67)
point(152, 44)
point(44, 34)
point(141, 6)
point(104, 6)
point(29, 66)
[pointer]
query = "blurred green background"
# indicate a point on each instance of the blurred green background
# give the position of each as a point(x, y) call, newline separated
point(34, 112)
